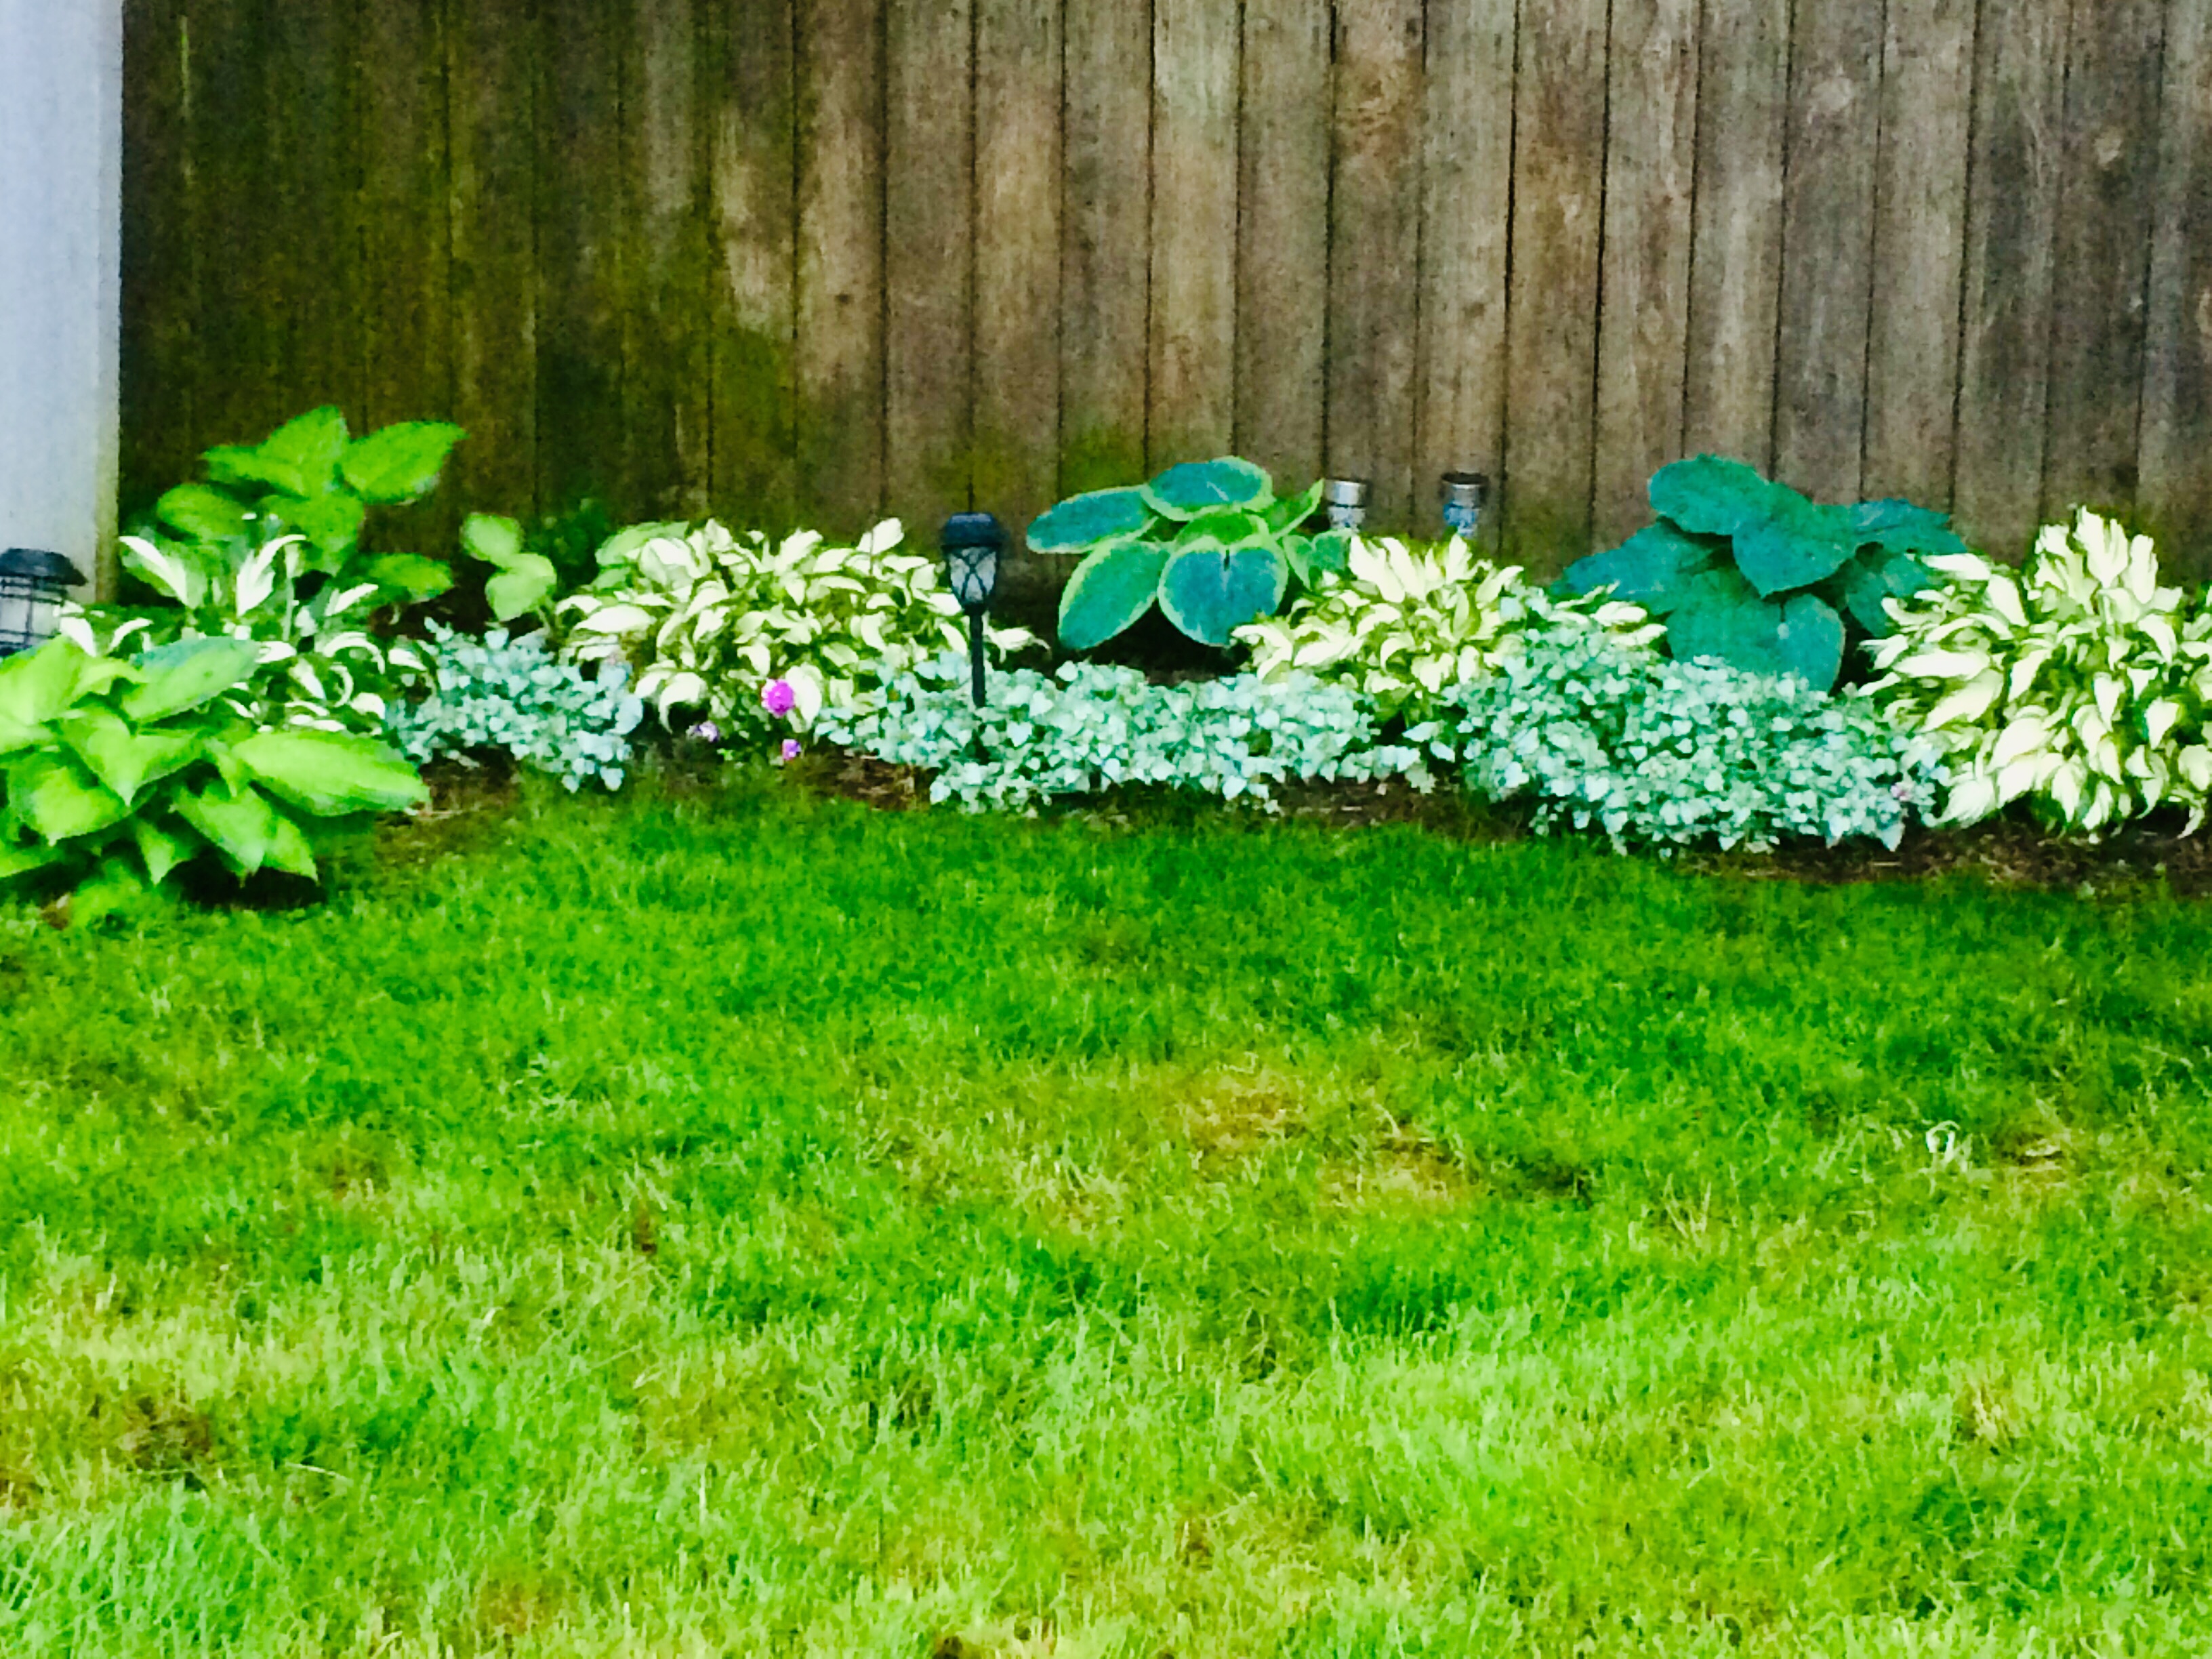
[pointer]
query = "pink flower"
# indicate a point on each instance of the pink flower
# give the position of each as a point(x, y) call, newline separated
point(778, 698)
point(791, 748)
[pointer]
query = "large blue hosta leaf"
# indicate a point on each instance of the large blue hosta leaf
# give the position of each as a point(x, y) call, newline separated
point(1110, 589)
point(1653, 567)
point(1901, 527)
point(1206, 593)
point(1796, 545)
point(1196, 487)
point(1712, 496)
point(1874, 576)
point(1723, 618)
point(1082, 522)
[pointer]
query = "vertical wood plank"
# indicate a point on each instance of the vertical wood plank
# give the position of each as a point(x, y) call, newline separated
point(1735, 260)
point(2012, 207)
point(1282, 237)
point(491, 102)
point(1466, 221)
point(1827, 240)
point(750, 323)
point(405, 237)
point(1560, 155)
point(2100, 296)
point(1017, 101)
point(667, 336)
point(1919, 249)
point(583, 214)
point(838, 349)
point(1105, 260)
point(1375, 259)
point(160, 294)
point(2176, 503)
point(235, 354)
point(312, 261)
point(929, 254)
point(1191, 393)
point(1644, 331)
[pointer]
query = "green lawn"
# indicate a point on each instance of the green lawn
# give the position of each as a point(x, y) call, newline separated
point(741, 1223)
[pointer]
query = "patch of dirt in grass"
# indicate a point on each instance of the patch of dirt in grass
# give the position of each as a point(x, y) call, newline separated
point(466, 808)
point(1404, 1168)
point(1227, 1116)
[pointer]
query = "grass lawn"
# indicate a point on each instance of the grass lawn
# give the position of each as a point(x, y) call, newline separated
point(743, 1223)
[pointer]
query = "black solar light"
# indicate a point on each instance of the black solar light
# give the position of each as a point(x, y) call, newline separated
point(1345, 501)
point(972, 544)
point(1463, 497)
point(33, 584)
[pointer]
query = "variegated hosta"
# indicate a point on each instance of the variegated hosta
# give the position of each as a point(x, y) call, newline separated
point(320, 667)
point(2078, 684)
point(1406, 624)
point(710, 619)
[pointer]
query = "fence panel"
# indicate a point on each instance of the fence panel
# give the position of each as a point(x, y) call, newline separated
point(815, 260)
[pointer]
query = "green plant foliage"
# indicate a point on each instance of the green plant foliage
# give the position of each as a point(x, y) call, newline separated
point(711, 621)
point(1610, 735)
point(1748, 571)
point(513, 695)
point(1206, 540)
point(2077, 684)
point(526, 580)
point(1404, 624)
point(1088, 727)
point(115, 773)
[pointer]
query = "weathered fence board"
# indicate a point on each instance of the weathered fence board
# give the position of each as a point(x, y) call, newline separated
point(810, 260)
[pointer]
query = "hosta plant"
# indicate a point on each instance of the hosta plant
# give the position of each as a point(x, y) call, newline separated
point(712, 621)
point(114, 773)
point(1748, 571)
point(1404, 624)
point(2077, 684)
point(1207, 541)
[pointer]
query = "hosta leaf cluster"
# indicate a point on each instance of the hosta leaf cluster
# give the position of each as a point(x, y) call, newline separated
point(1088, 726)
point(1613, 737)
point(512, 694)
point(1404, 624)
point(1207, 541)
point(710, 619)
point(117, 771)
point(1748, 571)
point(2078, 683)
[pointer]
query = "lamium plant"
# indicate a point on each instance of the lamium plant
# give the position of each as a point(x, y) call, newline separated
point(1748, 571)
point(1207, 541)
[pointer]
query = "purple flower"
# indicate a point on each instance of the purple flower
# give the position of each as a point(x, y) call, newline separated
point(791, 748)
point(706, 731)
point(778, 698)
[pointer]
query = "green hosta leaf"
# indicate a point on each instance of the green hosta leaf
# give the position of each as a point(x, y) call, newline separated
point(1082, 522)
point(623, 546)
point(17, 860)
point(331, 523)
point(1799, 543)
point(1861, 586)
point(409, 573)
point(1331, 552)
point(1722, 616)
point(240, 827)
point(1290, 514)
point(1653, 567)
point(113, 888)
point(1712, 496)
point(288, 850)
point(51, 795)
point(1901, 527)
point(401, 462)
point(520, 586)
point(187, 674)
point(1207, 594)
point(16, 736)
point(1224, 528)
point(124, 760)
point(1113, 586)
point(330, 773)
point(184, 571)
point(300, 458)
point(494, 539)
point(163, 844)
point(37, 686)
point(201, 514)
point(1186, 492)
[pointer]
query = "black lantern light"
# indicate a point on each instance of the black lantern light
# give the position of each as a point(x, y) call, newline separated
point(1345, 501)
point(972, 544)
point(1463, 493)
point(33, 584)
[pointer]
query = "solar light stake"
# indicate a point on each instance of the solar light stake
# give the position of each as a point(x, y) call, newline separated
point(1463, 494)
point(1345, 499)
point(972, 542)
point(33, 584)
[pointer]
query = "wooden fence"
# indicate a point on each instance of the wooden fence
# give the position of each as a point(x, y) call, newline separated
point(820, 258)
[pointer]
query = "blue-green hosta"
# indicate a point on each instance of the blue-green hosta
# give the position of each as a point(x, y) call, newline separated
point(114, 773)
point(1405, 624)
point(2078, 684)
point(710, 620)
